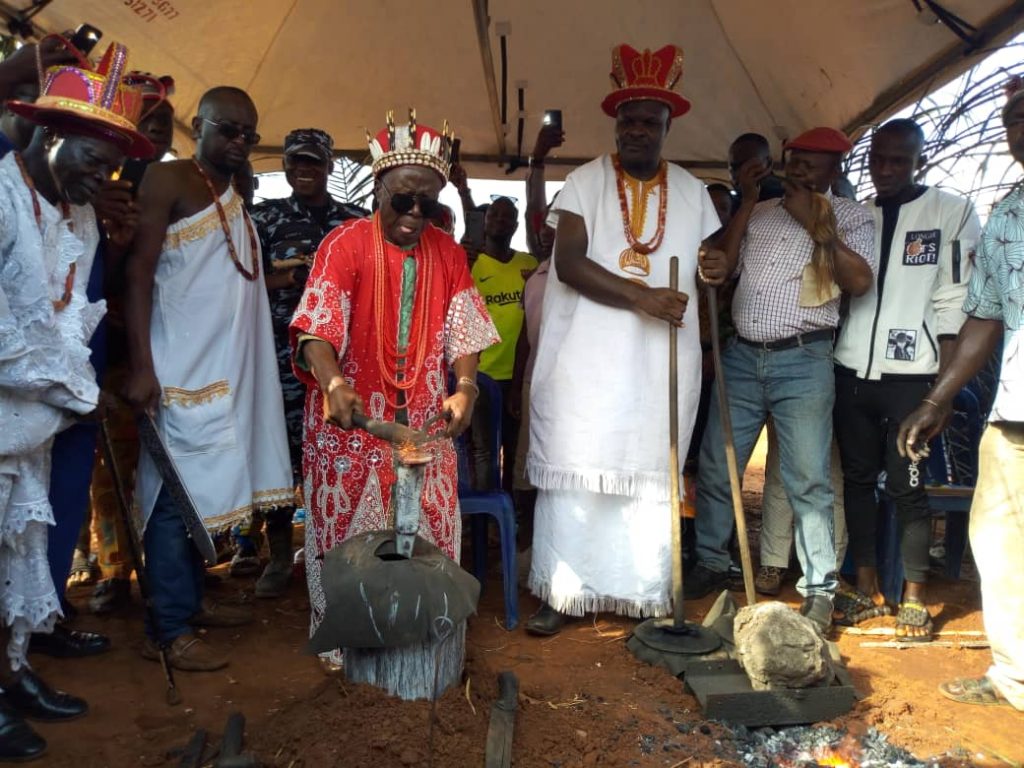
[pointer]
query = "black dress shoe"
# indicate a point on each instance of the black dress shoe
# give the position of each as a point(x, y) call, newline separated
point(64, 643)
point(18, 742)
point(33, 699)
point(546, 622)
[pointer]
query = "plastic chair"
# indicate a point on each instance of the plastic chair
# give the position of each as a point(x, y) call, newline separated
point(492, 502)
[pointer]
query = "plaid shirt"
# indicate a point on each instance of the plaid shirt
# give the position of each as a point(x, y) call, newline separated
point(774, 252)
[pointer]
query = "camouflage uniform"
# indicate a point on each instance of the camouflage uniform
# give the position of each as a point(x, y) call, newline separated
point(287, 230)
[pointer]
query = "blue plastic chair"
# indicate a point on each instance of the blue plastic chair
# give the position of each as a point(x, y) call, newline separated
point(493, 502)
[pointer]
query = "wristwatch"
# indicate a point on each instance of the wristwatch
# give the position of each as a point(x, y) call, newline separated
point(535, 163)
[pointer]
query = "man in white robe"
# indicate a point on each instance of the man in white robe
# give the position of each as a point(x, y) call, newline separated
point(203, 363)
point(48, 240)
point(599, 434)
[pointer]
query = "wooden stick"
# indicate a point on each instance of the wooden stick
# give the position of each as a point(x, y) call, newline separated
point(678, 620)
point(884, 631)
point(730, 450)
point(930, 644)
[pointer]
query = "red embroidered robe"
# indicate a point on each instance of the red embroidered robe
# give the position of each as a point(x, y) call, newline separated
point(348, 475)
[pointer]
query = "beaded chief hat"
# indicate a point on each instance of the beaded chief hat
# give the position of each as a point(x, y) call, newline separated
point(96, 102)
point(155, 90)
point(411, 144)
point(646, 76)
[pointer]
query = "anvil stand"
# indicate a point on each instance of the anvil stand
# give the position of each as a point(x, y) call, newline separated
point(422, 670)
point(672, 643)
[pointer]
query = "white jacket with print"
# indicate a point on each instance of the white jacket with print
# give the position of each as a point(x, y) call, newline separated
point(894, 328)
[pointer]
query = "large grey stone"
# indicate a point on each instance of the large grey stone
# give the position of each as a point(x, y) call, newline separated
point(779, 648)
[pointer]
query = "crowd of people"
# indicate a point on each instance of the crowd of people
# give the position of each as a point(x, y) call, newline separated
point(254, 335)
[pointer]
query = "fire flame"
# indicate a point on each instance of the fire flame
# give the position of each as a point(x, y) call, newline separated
point(836, 757)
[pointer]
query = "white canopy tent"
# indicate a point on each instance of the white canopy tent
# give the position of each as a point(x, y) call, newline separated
point(776, 67)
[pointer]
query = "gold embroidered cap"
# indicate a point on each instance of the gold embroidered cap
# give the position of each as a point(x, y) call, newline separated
point(99, 102)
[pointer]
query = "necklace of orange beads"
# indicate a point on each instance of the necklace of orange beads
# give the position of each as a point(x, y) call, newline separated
point(396, 371)
point(253, 248)
point(627, 225)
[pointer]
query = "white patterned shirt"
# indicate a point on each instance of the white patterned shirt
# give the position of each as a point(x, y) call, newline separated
point(996, 292)
point(773, 254)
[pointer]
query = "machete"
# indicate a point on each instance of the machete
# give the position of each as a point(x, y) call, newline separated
point(150, 438)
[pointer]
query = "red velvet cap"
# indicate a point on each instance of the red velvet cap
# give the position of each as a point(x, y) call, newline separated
point(643, 75)
point(822, 140)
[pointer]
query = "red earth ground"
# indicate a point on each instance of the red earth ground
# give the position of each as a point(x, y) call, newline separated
point(584, 699)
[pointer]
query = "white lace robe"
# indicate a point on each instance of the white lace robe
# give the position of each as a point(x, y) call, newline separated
point(45, 379)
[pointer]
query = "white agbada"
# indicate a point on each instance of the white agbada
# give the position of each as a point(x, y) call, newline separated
point(46, 379)
point(221, 413)
point(599, 434)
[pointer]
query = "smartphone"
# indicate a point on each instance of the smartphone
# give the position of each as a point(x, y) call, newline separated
point(553, 117)
point(85, 38)
point(456, 151)
point(475, 227)
point(133, 171)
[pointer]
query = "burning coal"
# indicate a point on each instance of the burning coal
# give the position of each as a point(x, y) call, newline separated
point(807, 747)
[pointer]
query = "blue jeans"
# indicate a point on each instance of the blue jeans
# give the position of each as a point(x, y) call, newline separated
point(797, 387)
point(174, 570)
point(70, 478)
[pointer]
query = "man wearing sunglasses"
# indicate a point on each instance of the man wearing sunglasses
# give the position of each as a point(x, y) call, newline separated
point(499, 273)
point(203, 365)
point(388, 312)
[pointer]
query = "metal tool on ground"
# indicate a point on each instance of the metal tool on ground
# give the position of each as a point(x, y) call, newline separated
point(730, 450)
point(227, 754)
point(498, 753)
point(231, 755)
point(135, 549)
point(150, 438)
point(192, 754)
point(672, 643)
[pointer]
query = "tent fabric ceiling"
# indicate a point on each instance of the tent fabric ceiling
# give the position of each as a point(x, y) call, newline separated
point(772, 67)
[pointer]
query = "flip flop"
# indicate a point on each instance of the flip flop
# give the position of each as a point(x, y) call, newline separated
point(973, 690)
point(913, 613)
point(856, 607)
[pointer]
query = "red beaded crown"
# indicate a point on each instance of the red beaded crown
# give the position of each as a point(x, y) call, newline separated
point(643, 76)
point(84, 100)
point(411, 144)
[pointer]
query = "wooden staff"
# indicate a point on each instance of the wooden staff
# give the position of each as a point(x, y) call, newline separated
point(730, 450)
point(673, 458)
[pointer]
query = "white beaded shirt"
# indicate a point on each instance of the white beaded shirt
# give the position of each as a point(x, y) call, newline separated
point(773, 254)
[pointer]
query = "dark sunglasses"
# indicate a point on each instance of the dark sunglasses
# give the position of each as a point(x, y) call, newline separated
point(513, 200)
point(232, 132)
point(403, 202)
